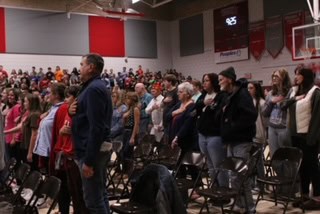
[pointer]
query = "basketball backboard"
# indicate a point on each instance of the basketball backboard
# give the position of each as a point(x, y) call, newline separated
point(306, 41)
point(306, 38)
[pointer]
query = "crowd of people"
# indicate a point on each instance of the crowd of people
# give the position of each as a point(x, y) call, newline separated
point(62, 124)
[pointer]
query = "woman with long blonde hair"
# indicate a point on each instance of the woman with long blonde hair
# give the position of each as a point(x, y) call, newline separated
point(278, 132)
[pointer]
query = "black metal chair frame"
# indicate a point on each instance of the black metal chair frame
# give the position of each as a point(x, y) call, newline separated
point(112, 166)
point(237, 167)
point(134, 205)
point(197, 160)
point(49, 188)
point(283, 155)
point(141, 158)
point(167, 156)
point(18, 174)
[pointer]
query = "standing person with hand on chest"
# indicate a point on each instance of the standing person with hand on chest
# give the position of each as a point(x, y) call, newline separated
point(91, 117)
point(303, 103)
point(238, 122)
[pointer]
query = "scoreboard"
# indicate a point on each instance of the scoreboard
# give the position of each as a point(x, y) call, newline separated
point(231, 27)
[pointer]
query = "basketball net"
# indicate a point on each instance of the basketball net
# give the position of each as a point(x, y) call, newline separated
point(307, 52)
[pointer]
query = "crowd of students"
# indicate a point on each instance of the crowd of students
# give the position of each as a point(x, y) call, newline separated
point(220, 116)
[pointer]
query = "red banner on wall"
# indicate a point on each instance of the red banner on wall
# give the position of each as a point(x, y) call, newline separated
point(106, 36)
point(274, 35)
point(2, 31)
point(257, 39)
point(290, 21)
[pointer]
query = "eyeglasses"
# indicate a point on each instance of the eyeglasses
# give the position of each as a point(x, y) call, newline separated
point(275, 77)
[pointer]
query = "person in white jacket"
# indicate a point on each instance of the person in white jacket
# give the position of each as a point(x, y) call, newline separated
point(156, 112)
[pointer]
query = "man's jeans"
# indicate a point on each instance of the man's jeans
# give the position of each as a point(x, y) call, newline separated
point(242, 150)
point(94, 189)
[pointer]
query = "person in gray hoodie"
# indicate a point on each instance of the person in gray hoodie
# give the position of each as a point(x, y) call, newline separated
point(278, 132)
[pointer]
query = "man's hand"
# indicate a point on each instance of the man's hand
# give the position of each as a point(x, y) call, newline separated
point(73, 108)
point(87, 171)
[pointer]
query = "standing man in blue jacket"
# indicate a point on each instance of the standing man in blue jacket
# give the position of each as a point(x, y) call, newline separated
point(91, 121)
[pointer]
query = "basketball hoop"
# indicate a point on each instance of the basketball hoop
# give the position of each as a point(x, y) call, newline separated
point(307, 53)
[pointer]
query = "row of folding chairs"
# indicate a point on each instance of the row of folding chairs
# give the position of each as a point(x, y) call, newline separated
point(282, 171)
point(24, 189)
point(237, 167)
point(144, 154)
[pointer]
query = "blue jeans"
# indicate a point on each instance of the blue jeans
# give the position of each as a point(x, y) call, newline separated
point(94, 189)
point(242, 150)
point(214, 150)
point(278, 138)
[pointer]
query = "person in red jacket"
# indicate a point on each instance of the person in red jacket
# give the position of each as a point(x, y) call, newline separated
point(64, 165)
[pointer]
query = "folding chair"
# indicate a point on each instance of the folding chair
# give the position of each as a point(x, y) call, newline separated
point(143, 197)
point(9, 168)
point(168, 157)
point(141, 157)
point(255, 156)
point(286, 161)
point(18, 176)
point(25, 192)
point(31, 184)
point(190, 159)
point(234, 172)
point(48, 189)
point(113, 166)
